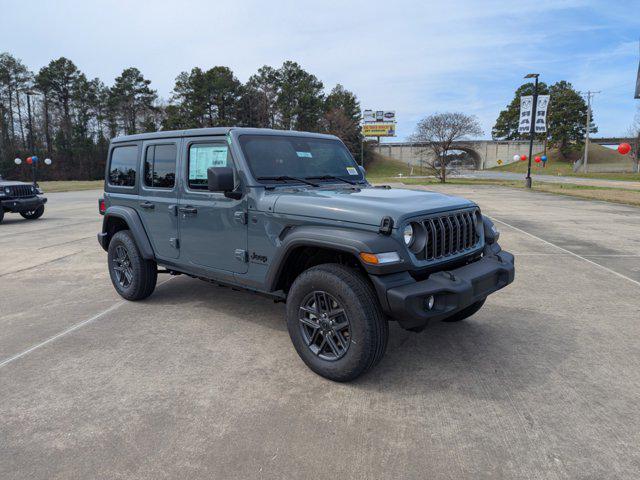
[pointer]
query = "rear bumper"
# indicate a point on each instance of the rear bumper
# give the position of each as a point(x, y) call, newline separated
point(18, 205)
point(406, 299)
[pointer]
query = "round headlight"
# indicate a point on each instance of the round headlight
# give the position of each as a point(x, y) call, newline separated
point(408, 235)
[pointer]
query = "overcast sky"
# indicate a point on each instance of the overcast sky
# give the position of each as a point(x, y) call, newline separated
point(417, 57)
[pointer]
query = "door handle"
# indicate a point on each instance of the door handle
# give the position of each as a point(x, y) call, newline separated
point(188, 210)
point(148, 205)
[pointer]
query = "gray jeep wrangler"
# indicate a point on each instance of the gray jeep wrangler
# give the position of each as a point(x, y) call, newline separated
point(20, 197)
point(290, 215)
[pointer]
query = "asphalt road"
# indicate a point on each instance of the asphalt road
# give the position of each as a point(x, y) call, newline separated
point(202, 382)
point(587, 182)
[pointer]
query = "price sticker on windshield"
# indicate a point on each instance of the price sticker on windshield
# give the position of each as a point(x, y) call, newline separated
point(304, 154)
point(352, 171)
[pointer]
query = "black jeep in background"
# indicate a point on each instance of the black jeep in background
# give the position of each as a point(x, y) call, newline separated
point(23, 198)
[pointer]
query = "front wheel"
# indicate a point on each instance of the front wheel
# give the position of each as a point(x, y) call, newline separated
point(335, 322)
point(1, 214)
point(33, 214)
point(133, 277)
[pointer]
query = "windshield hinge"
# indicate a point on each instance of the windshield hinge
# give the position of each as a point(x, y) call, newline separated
point(240, 217)
point(386, 225)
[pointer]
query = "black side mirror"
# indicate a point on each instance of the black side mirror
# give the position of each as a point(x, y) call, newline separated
point(220, 179)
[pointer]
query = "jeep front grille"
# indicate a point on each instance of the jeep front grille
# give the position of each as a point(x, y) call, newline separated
point(20, 190)
point(450, 234)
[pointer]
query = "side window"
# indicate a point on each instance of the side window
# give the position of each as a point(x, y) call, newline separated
point(160, 166)
point(201, 157)
point(122, 170)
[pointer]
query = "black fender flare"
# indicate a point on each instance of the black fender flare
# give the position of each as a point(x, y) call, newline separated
point(346, 240)
point(133, 221)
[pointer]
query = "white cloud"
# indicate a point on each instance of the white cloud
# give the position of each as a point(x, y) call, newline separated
point(415, 56)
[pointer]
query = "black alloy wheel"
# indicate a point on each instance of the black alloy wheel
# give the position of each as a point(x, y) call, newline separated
point(133, 276)
point(122, 267)
point(324, 326)
point(335, 321)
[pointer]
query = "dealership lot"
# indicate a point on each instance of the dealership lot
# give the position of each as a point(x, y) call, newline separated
point(200, 381)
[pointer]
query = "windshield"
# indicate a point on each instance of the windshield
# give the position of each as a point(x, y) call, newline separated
point(283, 158)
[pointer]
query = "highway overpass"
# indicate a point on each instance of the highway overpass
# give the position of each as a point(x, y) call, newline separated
point(484, 153)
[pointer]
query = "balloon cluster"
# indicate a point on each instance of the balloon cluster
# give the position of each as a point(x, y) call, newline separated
point(519, 157)
point(31, 160)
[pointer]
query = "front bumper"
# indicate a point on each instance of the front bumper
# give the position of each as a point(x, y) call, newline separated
point(405, 299)
point(17, 205)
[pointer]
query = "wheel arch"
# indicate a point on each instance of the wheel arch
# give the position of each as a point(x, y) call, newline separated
point(307, 246)
point(118, 218)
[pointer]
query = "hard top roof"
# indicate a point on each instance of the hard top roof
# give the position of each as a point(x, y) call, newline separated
point(200, 132)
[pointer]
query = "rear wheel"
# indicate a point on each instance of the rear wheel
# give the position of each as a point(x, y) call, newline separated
point(335, 322)
point(133, 277)
point(466, 312)
point(33, 214)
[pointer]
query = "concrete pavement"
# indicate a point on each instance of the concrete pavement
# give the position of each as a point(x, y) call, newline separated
point(202, 382)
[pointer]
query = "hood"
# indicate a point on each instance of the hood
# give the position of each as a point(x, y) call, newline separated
point(366, 205)
point(7, 183)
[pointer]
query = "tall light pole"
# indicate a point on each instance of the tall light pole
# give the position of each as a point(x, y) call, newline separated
point(590, 95)
point(29, 93)
point(532, 130)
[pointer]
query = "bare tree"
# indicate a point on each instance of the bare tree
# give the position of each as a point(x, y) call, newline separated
point(436, 134)
point(634, 132)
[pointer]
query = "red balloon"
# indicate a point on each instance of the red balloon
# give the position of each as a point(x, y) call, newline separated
point(538, 159)
point(624, 148)
point(523, 157)
point(29, 160)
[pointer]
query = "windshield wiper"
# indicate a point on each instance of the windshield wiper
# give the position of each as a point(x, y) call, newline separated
point(284, 178)
point(332, 177)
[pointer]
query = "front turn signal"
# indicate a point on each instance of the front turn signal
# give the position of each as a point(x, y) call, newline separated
point(379, 258)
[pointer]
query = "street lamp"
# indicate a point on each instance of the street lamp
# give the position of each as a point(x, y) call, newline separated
point(533, 123)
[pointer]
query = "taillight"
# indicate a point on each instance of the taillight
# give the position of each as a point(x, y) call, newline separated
point(102, 206)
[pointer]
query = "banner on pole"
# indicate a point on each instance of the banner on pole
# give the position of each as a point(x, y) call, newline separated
point(526, 110)
point(541, 113)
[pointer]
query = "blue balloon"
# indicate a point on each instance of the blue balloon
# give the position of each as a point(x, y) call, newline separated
point(34, 158)
point(544, 158)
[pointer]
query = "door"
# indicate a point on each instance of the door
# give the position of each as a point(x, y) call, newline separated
point(213, 230)
point(157, 202)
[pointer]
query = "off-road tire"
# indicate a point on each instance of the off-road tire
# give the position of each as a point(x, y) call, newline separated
point(33, 214)
point(1, 214)
point(144, 273)
point(367, 324)
point(465, 312)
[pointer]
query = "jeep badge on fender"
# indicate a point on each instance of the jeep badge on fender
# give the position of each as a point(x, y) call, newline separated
point(345, 256)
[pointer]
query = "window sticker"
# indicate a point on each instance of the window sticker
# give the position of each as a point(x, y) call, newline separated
point(204, 156)
point(352, 171)
point(304, 154)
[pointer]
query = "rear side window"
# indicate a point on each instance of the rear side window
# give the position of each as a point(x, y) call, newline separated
point(160, 166)
point(122, 170)
point(201, 157)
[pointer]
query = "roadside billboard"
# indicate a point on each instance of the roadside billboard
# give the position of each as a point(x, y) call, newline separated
point(379, 116)
point(379, 130)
